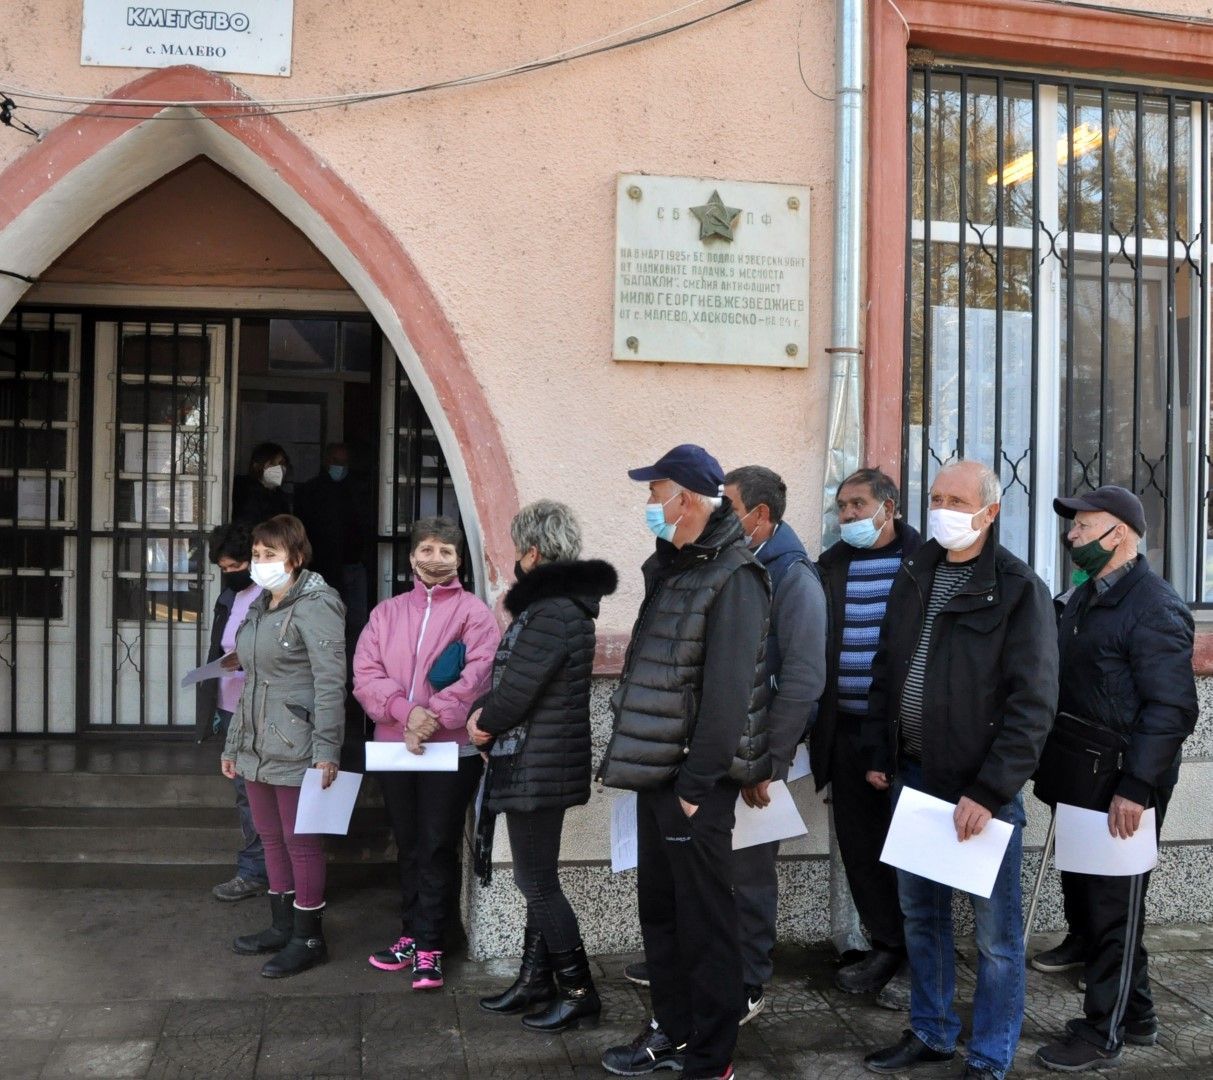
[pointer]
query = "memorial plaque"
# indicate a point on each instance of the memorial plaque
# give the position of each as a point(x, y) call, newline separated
point(711, 271)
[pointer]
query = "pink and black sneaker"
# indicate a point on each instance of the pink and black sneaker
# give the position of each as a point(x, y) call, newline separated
point(427, 971)
point(395, 957)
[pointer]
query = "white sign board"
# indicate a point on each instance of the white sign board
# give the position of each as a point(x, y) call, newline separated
point(252, 37)
point(711, 271)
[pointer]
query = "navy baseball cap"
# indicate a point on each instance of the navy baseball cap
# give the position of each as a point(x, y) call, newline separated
point(689, 466)
point(1117, 501)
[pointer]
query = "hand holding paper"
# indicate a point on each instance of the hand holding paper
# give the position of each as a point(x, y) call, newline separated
point(1086, 846)
point(327, 809)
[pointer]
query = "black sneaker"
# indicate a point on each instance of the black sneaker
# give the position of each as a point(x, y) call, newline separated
point(754, 1002)
point(1075, 1054)
point(637, 973)
point(1071, 953)
point(646, 1053)
point(871, 973)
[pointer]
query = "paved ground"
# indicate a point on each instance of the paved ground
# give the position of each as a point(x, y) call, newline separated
point(136, 983)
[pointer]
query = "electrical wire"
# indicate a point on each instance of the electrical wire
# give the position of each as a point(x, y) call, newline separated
point(285, 106)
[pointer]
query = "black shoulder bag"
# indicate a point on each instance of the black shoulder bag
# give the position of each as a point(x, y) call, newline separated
point(1081, 764)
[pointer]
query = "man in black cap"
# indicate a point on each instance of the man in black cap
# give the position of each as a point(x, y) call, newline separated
point(689, 732)
point(1126, 666)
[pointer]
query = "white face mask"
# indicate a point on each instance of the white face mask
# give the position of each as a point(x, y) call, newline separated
point(269, 575)
point(273, 476)
point(953, 529)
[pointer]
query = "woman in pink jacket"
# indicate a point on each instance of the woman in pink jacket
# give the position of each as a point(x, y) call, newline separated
point(394, 677)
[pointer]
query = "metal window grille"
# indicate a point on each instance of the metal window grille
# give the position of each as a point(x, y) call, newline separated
point(1057, 302)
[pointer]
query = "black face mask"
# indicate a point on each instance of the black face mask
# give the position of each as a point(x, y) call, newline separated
point(237, 580)
point(519, 573)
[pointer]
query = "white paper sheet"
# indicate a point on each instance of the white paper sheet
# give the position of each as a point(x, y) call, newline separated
point(779, 821)
point(213, 670)
point(1084, 845)
point(396, 757)
point(800, 767)
point(327, 810)
point(624, 854)
point(922, 840)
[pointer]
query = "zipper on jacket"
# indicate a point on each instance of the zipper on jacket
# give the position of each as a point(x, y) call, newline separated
point(425, 619)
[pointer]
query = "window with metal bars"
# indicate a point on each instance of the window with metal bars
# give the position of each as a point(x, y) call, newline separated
point(1057, 303)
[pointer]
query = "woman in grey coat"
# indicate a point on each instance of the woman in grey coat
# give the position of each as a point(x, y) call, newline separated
point(291, 718)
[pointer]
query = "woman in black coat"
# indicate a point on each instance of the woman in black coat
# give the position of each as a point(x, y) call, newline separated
point(535, 726)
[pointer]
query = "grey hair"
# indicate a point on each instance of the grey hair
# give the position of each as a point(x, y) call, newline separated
point(987, 479)
point(708, 502)
point(550, 527)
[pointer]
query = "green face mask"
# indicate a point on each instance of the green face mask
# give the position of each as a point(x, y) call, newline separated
point(1092, 557)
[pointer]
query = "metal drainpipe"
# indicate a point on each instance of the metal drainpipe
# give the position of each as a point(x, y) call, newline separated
point(844, 428)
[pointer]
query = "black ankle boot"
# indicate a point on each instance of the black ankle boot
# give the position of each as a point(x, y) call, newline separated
point(534, 984)
point(305, 949)
point(277, 935)
point(577, 1004)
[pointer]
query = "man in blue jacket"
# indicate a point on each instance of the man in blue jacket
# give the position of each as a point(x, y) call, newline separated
point(1126, 643)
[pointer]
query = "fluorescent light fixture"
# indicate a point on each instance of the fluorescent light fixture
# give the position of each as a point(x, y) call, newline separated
point(1083, 139)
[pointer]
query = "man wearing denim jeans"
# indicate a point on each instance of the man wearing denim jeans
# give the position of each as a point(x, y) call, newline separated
point(964, 686)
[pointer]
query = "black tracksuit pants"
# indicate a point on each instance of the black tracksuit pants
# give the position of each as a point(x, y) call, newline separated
point(861, 822)
point(689, 923)
point(1111, 915)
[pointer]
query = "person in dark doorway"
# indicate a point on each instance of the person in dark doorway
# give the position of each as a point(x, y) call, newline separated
point(291, 718)
point(689, 733)
point(964, 685)
point(858, 572)
point(338, 514)
point(535, 726)
point(795, 669)
point(259, 495)
point(1126, 642)
point(231, 549)
point(436, 629)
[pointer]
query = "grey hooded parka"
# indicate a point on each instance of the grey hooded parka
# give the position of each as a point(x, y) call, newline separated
point(292, 709)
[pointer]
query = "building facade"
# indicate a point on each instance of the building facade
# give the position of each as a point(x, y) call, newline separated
point(431, 278)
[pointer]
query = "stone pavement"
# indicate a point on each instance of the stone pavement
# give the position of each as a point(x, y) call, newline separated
point(138, 983)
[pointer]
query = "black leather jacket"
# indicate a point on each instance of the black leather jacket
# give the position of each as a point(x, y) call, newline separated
point(991, 676)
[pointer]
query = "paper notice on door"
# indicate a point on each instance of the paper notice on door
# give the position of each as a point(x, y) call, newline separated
point(778, 821)
point(799, 768)
point(32, 502)
point(624, 855)
point(396, 757)
point(1084, 845)
point(327, 810)
point(922, 840)
point(213, 670)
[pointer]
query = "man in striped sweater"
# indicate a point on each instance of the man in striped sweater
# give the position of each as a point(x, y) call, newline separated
point(857, 573)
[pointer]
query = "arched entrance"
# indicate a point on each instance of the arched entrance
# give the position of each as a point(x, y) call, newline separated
point(61, 187)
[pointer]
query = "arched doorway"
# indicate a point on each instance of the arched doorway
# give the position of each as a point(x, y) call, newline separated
point(55, 193)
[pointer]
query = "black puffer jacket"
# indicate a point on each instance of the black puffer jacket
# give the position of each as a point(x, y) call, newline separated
point(541, 688)
point(1126, 664)
point(990, 686)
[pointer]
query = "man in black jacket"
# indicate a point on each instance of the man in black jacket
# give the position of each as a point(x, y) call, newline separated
point(692, 688)
point(857, 573)
point(964, 685)
point(1126, 665)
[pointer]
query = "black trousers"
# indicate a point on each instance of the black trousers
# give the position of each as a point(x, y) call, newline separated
point(426, 811)
point(689, 923)
point(535, 850)
point(861, 822)
point(1111, 913)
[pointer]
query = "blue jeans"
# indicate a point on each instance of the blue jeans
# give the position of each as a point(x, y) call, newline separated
point(998, 1001)
point(250, 859)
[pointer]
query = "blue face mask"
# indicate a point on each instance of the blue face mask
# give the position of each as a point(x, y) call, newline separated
point(863, 533)
point(654, 518)
point(338, 472)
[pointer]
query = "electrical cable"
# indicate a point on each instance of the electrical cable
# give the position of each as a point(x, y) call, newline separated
point(288, 105)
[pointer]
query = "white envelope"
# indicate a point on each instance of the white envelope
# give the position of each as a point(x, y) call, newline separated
point(1084, 845)
point(396, 757)
point(922, 840)
point(624, 855)
point(779, 821)
point(213, 670)
point(327, 810)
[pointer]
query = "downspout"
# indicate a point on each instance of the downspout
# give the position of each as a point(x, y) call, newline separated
point(844, 428)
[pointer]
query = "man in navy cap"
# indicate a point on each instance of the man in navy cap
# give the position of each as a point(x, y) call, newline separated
point(1126, 667)
point(689, 733)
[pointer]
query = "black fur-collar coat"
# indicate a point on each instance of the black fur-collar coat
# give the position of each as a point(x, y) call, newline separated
point(539, 706)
